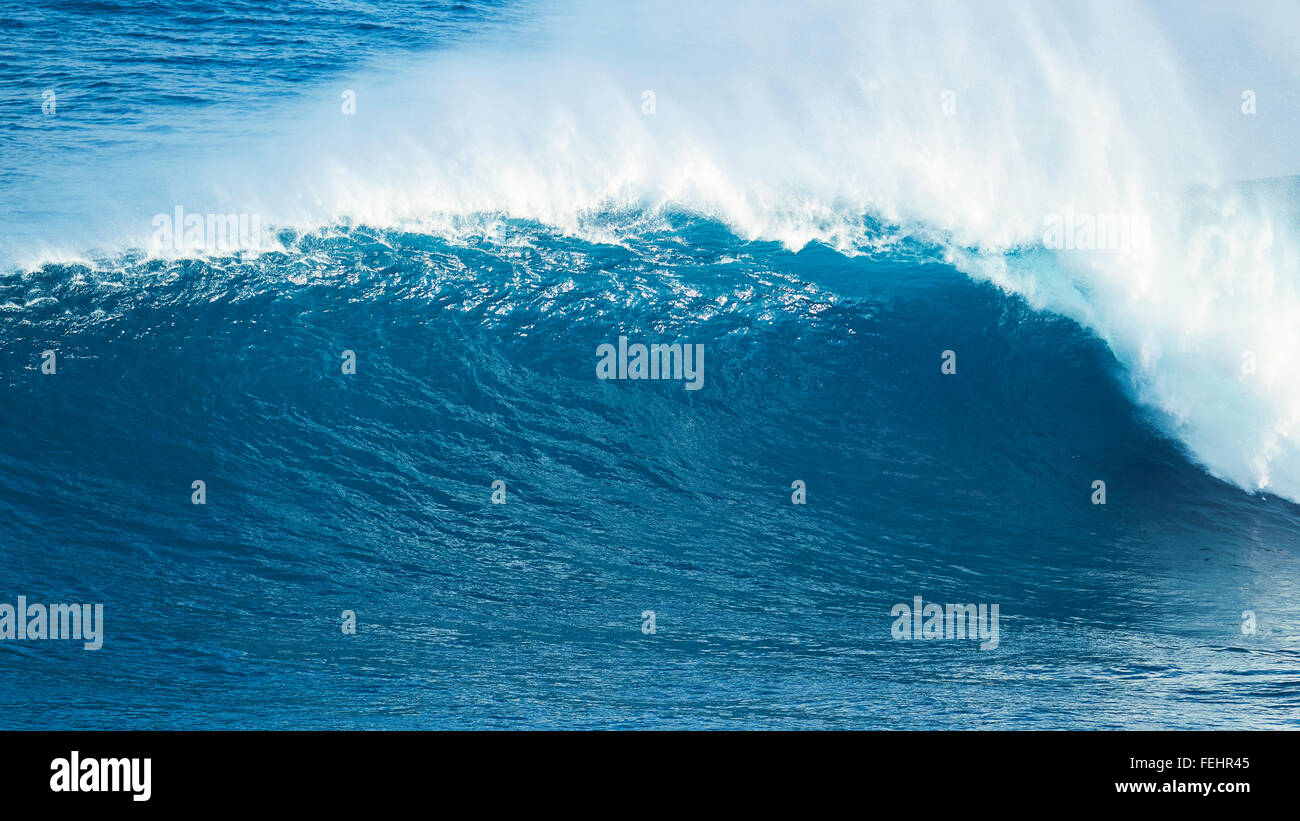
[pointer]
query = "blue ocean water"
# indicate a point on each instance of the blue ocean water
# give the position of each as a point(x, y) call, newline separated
point(475, 345)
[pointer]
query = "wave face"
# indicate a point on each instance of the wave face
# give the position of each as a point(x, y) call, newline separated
point(372, 492)
point(824, 221)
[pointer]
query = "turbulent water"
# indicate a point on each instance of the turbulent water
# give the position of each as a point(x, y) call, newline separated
point(827, 199)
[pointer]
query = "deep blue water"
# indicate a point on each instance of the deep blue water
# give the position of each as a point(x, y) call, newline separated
point(476, 360)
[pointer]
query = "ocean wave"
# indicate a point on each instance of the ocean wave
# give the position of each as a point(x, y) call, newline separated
point(977, 131)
